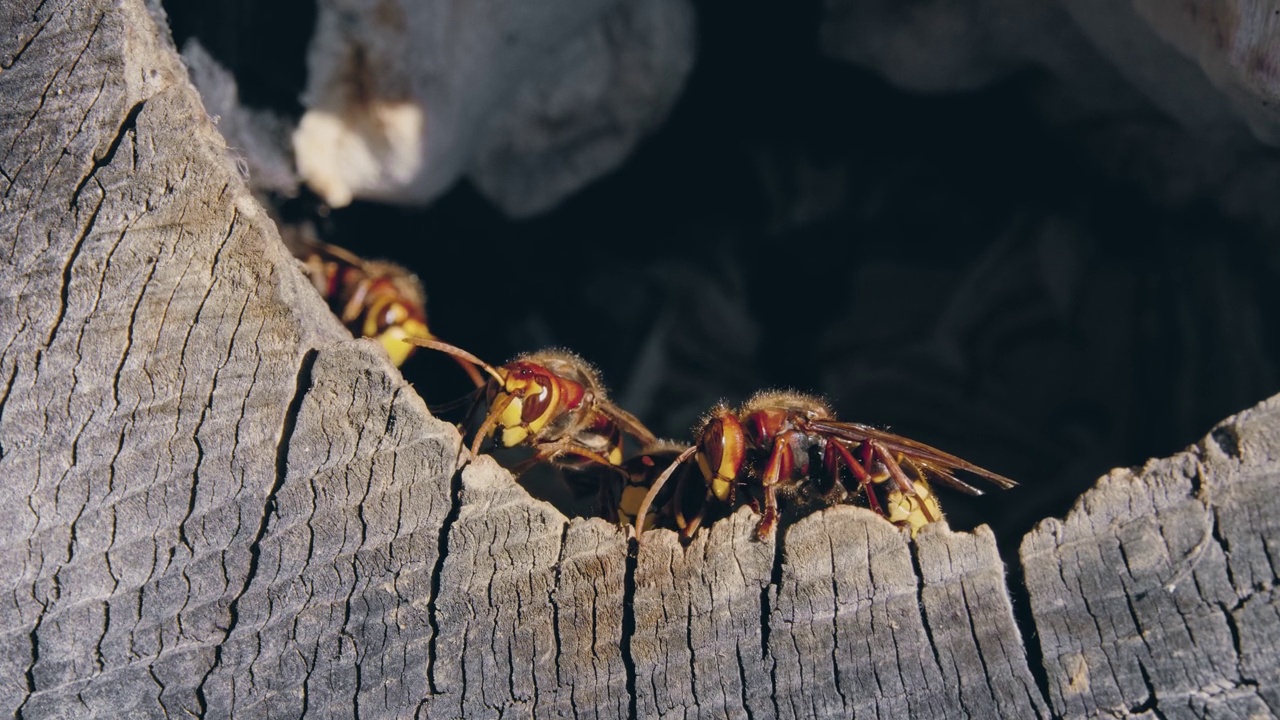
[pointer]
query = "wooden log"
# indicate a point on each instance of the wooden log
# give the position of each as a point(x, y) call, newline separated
point(1157, 593)
point(215, 502)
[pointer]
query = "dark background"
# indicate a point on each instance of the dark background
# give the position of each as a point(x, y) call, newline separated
point(957, 268)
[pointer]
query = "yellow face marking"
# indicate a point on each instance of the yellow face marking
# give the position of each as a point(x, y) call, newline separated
point(720, 487)
point(416, 329)
point(510, 421)
point(615, 456)
point(398, 328)
point(726, 471)
point(382, 315)
point(513, 436)
point(719, 483)
point(393, 341)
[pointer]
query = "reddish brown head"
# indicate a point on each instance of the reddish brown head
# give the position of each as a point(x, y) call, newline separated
point(722, 448)
point(532, 397)
point(525, 395)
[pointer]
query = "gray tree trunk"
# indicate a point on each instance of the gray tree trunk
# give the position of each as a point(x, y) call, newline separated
point(213, 501)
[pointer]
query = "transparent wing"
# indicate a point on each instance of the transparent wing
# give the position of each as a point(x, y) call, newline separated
point(941, 465)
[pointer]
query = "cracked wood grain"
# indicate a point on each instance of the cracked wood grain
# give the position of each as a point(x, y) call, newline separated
point(697, 646)
point(530, 608)
point(215, 502)
point(848, 619)
point(152, 342)
point(863, 628)
point(1157, 593)
point(333, 609)
point(971, 627)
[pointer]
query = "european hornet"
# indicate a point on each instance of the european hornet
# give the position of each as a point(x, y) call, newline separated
point(553, 402)
point(374, 298)
point(789, 447)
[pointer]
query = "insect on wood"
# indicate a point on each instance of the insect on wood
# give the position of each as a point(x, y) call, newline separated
point(377, 299)
point(787, 448)
point(553, 402)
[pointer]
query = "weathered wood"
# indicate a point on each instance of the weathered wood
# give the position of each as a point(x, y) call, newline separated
point(146, 386)
point(530, 608)
point(874, 631)
point(168, 527)
point(215, 502)
point(698, 643)
point(1157, 592)
point(336, 611)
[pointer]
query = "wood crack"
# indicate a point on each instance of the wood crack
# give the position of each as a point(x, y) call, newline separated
point(355, 582)
point(64, 292)
point(555, 603)
point(1149, 704)
point(442, 543)
point(1024, 621)
point(245, 540)
point(128, 125)
point(835, 630)
point(4, 399)
point(128, 333)
point(29, 673)
point(629, 623)
point(914, 554)
point(22, 49)
point(43, 95)
point(301, 387)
